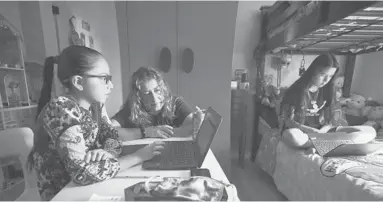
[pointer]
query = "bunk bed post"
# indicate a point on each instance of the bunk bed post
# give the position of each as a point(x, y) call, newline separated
point(348, 74)
point(259, 56)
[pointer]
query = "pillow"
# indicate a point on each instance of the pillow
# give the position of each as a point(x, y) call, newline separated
point(355, 120)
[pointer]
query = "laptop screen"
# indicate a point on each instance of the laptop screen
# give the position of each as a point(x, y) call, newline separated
point(207, 131)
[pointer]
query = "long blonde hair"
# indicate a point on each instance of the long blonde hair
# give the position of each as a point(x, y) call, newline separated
point(138, 114)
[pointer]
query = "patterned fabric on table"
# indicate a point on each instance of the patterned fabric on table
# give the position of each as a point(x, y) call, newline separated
point(64, 133)
point(195, 188)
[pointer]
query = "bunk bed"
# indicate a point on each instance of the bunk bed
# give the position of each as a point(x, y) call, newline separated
point(315, 27)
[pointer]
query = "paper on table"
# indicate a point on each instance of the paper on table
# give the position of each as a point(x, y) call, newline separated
point(150, 140)
point(96, 197)
point(137, 171)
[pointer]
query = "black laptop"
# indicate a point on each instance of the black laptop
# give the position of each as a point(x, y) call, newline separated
point(180, 155)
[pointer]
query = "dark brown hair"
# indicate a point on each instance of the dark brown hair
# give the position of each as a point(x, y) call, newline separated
point(138, 114)
point(297, 91)
point(73, 60)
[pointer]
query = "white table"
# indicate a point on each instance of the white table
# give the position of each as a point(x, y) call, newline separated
point(116, 186)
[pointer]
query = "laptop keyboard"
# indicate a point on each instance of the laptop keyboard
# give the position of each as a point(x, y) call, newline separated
point(324, 146)
point(178, 153)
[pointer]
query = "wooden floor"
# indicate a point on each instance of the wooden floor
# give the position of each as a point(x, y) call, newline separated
point(253, 184)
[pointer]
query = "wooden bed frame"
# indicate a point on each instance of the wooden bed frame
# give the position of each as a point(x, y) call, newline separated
point(313, 27)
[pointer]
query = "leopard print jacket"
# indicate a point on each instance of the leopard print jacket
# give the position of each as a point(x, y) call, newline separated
point(64, 133)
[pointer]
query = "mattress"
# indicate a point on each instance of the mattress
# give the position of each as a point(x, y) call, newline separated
point(301, 176)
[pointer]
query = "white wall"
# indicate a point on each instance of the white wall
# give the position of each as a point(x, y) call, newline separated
point(208, 29)
point(10, 10)
point(102, 18)
point(368, 73)
point(32, 31)
point(247, 35)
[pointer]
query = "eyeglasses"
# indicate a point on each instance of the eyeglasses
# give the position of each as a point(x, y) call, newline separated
point(105, 78)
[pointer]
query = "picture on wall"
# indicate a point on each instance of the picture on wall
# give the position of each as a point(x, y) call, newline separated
point(85, 25)
point(91, 43)
point(83, 43)
point(80, 33)
point(74, 37)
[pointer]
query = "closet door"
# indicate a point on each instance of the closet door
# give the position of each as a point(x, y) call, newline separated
point(208, 29)
point(151, 27)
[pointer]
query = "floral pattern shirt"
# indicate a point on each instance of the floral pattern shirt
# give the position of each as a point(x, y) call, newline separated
point(65, 132)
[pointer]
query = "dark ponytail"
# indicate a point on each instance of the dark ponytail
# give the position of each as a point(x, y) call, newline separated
point(45, 96)
point(46, 89)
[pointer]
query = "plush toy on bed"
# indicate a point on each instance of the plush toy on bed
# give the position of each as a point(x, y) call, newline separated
point(269, 94)
point(338, 85)
point(355, 105)
point(374, 116)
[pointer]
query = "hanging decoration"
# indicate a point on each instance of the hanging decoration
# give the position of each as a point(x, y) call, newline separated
point(285, 63)
point(302, 67)
point(80, 33)
point(74, 37)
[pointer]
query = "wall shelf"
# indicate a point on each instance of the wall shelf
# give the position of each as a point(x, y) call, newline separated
point(17, 108)
point(11, 69)
point(5, 109)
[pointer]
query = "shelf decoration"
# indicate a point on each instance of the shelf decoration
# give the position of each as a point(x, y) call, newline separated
point(12, 91)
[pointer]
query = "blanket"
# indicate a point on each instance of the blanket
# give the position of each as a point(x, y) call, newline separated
point(369, 168)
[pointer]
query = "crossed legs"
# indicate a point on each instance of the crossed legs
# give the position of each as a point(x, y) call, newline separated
point(296, 138)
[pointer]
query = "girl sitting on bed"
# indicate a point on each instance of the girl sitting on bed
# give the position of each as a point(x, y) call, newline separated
point(308, 107)
point(71, 142)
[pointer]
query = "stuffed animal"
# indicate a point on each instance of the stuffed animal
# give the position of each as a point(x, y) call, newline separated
point(374, 116)
point(269, 95)
point(338, 85)
point(355, 105)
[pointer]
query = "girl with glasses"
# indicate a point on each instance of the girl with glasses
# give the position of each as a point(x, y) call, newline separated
point(71, 142)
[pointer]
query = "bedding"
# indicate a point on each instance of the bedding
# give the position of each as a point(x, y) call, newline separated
point(301, 176)
point(266, 154)
point(268, 129)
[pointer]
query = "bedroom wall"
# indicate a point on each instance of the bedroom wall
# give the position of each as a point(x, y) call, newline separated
point(247, 35)
point(10, 10)
point(35, 21)
point(368, 74)
point(104, 26)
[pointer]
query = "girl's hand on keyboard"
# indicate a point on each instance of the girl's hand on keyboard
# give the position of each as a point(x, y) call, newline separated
point(161, 131)
point(310, 151)
point(198, 117)
point(151, 150)
point(325, 129)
